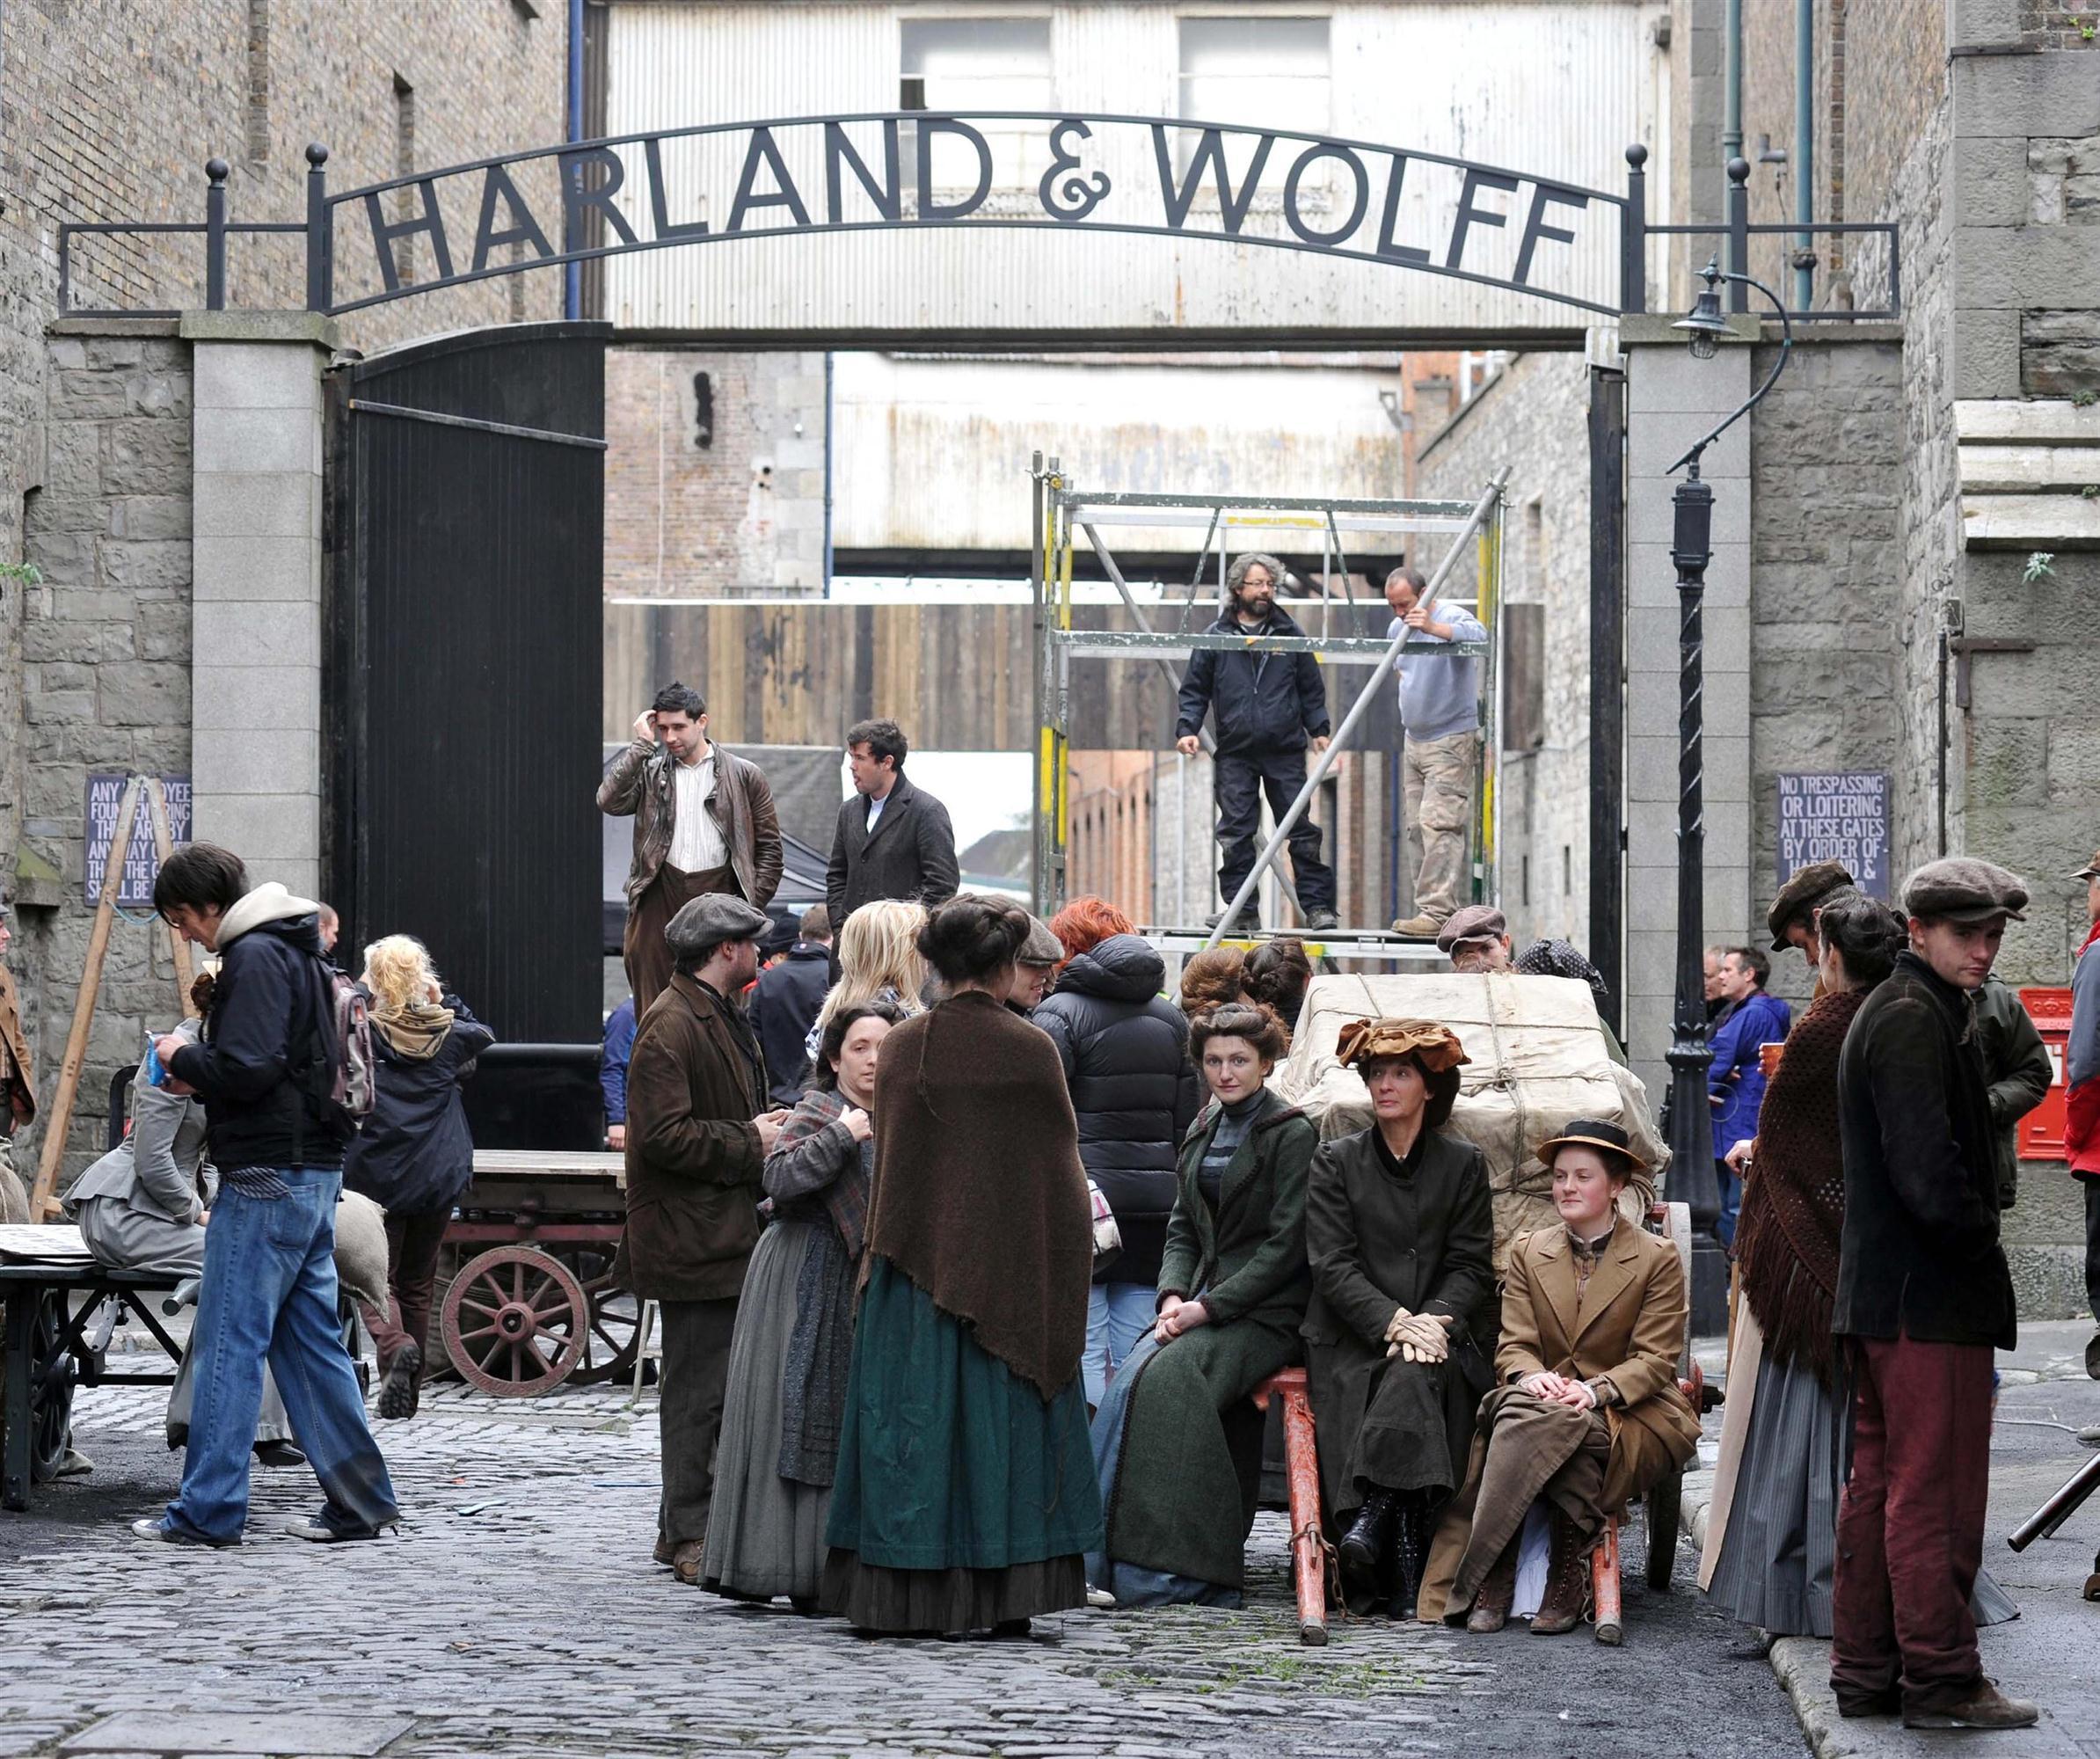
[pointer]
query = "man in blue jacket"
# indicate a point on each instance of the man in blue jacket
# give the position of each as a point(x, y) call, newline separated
point(1267, 707)
point(1735, 1079)
point(264, 1067)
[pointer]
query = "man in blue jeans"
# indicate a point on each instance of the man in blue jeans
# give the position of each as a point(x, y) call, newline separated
point(269, 1288)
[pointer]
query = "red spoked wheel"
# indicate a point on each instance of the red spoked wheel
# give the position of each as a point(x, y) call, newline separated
point(516, 1322)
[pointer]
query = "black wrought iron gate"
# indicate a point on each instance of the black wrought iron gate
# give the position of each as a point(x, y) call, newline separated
point(460, 751)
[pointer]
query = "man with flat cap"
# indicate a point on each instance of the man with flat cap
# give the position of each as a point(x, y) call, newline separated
point(1923, 1297)
point(1792, 917)
point(697, 1137)
point(1476, 939)
point(2081, 1104)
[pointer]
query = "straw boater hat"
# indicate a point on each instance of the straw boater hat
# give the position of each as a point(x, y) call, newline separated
point(1593, 1133)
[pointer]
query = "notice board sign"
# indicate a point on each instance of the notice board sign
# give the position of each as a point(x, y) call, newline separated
point(142, 861)
point(1842, 817)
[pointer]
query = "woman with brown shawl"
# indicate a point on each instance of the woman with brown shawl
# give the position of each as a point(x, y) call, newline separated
point(1400, 1232)
point(1771, 1542)
point(965, 1498)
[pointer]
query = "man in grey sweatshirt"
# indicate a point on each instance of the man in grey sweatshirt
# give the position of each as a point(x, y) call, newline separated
point(1439, 712)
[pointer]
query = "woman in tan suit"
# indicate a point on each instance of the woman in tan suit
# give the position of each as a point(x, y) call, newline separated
point(1587, 1412)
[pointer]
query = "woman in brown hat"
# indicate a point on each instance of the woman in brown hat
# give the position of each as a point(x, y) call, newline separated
point(1399, 1228)
point(1587, 1414)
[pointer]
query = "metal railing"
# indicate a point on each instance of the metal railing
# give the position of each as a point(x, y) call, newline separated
point(214, 226)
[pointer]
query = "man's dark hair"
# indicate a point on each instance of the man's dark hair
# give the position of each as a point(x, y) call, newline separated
point(816, 923)
point(199, 876)
point(1756, 961)
point(677, 698)
point(883, 739)
point(1867, 934)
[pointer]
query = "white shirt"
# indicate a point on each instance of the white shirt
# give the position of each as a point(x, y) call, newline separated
point(875, 808)
point(696, 842)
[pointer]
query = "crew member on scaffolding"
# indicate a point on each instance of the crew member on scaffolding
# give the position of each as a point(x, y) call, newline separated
point(1440, 713)
point(1267, 707)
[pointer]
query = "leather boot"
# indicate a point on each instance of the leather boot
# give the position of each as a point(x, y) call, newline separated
point(1498, 1593)
point(1567, 1581)
point(1364, 1547)
point(1411, 1546)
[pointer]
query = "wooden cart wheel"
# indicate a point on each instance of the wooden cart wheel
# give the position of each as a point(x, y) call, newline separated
point(1665, 1503)
point(50, 1390)
point(514, 1322)
point(615, 1315)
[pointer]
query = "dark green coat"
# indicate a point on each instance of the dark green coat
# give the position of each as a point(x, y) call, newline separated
point(1179, 1498)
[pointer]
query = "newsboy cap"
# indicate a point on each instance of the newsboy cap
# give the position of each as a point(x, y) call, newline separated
point(1962, 889)
point(1797, 899)
point(708, 921)
point(2091, 870)
point(1042, 947)
point(1476, 922)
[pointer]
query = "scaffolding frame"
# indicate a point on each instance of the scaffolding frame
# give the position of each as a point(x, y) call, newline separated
point(1063, 515)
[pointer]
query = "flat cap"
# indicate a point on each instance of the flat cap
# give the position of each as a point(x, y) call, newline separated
point(1962, 889)
point(2091, 870)
point(1475, 922)
point(1042, 947)
point(1799, 896)
point(712, 919)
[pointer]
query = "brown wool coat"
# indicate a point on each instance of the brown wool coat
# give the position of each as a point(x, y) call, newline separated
point(1629, 1325)
point(17, 1079)
point(695, 1081)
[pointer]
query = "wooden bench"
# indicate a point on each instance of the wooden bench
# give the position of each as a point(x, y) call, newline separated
point(1301, 1461)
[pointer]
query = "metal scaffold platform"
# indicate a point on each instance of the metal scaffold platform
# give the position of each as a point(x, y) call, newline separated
point(1065, 516)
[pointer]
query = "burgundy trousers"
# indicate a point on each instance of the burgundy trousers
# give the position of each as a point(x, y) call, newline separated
point(1910, 1523)
point(412, 1244)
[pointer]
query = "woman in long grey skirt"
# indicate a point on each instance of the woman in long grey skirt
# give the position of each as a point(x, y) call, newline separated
point(1771, 1544)
point(794, 1330)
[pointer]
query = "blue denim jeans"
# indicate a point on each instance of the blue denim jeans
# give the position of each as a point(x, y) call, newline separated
point(1117, 1315)
point(269, 1293)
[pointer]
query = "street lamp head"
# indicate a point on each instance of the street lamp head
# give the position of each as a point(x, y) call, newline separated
point(1704, 326)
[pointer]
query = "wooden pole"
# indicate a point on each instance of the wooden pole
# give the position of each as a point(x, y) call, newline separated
point(43, 1202)
point(163, 846)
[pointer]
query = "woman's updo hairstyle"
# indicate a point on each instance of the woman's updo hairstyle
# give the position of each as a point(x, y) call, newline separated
point(823, 1077)
point(970, 936)
point(1278, 974)
point(1867, 934)
point(1212, 978)
point(1254, 1021)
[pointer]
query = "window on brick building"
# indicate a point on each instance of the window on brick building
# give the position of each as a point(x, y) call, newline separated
point(962, 66)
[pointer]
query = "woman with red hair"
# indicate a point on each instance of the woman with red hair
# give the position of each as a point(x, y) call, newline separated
point(1086, 922)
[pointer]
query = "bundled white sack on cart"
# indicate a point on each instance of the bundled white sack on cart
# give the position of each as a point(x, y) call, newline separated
point(1536, 1058)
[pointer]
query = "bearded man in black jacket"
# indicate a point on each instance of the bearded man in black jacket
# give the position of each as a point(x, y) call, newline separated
point(1923, 1295)
point(1268, 707)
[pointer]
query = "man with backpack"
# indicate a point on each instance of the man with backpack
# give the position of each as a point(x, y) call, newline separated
point(284, 1067)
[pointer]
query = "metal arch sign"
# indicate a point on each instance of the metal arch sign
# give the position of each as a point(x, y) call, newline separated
point(1242, 184)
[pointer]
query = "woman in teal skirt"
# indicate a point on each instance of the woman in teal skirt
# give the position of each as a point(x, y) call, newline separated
point(965, 1499)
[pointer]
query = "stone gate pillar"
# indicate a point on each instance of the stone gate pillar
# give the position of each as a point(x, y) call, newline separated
point(1671, 400)
point(256, 609)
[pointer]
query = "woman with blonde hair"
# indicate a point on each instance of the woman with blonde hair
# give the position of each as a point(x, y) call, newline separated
point(878, 960)
point(414, 1156)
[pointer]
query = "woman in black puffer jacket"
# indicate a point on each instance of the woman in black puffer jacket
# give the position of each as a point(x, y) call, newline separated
point(1125, 1051)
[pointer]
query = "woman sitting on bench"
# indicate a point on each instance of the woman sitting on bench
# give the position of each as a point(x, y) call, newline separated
point(1177, 1440)
point(1587, 1414)
point(1400, 1231)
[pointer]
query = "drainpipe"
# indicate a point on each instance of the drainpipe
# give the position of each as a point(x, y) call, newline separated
point(1803, 167)
point(572, 275)
point(828, 358)
point(1731, 114)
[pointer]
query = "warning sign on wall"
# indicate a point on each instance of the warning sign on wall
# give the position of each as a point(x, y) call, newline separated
point(1843, 817)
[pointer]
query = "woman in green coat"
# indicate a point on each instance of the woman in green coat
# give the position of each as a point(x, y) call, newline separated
point(1176, 1442)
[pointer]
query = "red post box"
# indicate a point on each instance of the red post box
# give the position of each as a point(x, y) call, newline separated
point(2042, 1129)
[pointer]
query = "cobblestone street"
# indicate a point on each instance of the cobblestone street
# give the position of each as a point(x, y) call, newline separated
point(518, 1612)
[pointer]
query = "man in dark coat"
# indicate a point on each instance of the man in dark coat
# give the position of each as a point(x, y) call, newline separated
point(697, 1137)
point(892, 840)
point(1267, 707)
point(784, 1004)
point(703, 821)
point(1923, 1296)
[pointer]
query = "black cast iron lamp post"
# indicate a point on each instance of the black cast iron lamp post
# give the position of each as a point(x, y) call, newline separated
point(1693, 1178)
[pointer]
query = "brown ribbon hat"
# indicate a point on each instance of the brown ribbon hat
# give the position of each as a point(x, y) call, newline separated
point(1435, 1046)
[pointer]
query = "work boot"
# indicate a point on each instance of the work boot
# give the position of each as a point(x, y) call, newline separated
point(1984, 1707)
point(1567, 1581)
point(685, 1561)
point(1498, 1593)
point(1247, 923)
point(398, 1389)
point(1417, 928)
point(1365, 1546)
point(1321, 920)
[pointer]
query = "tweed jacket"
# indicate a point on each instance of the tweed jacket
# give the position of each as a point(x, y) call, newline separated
point(909, 854)
point(18, 1081)
point(639, 782)
point(694, 1169)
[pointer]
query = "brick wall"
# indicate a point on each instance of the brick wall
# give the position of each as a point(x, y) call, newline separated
point(743, 514)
